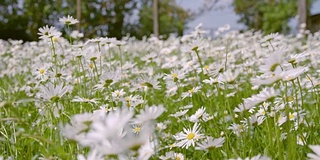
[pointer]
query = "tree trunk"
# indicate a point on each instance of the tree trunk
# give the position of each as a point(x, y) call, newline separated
point(302, 12)
point(79, 14)
point(155, 18)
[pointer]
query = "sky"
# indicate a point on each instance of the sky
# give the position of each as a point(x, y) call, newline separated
point(218, 18)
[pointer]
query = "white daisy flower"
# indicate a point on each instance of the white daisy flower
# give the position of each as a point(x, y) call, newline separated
point(209, 143)
point(316, 152)
point(69, 20)
point(149, 113)
point(188, 137)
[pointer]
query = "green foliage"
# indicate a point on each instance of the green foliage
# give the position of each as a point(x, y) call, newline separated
point(270, 16)
point(172, 19)
point(110, 18)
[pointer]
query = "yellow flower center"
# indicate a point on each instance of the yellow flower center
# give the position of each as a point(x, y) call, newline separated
point(91, 65)
point(290, 98)
point(291, 116)
point(137, 129)
point(190, 136)
point(206, 67)
point(174, 75)
point(191, 91)
point(178, 158)
point(41, 71)
point(55, 39)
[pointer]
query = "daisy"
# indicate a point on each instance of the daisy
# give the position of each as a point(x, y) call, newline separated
point(209, 143)
point(92, 155)
point(149, 113)
point(78, 127)
point(190, 92)
point(68, 20)
point(76, 34)
point(149, 57)
point(237, 128)
point(144, 82)
point(179, 113)
point(52, 92)
point(136, 128)
point(195, 117)
point(293, 73)
point(316, 152)
point(264, 95)
point(267, 78)
point(188, 137)
point(212, 81)
point(228, 76)
point(107, 79)
point(85, 100)
point(175, 75)
point(161, 126)
point(257, 157)
point(172, 155)
point(132, 101)
point(118, 94)
point(273, 61)
point(41, 72)
point(47, 32)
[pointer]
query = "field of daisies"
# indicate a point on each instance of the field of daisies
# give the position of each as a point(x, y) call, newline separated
point(235, 96)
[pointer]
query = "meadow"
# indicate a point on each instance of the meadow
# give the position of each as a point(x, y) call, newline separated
point(235, 96)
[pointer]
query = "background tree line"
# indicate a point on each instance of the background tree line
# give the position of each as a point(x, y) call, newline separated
point(20, 19)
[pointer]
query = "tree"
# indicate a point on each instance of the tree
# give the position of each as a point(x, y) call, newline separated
point(172, 19)
point(267, 15)
point(112, 18)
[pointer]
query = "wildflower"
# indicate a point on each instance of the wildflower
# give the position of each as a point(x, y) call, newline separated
point(212, 81)
point(256, 120)
point(145, 82)
point(146, 150)
point(316, 152)
point(47, 32)
point(293, 73)
point(273, 61)
point(228, 77)
point(257, 157)
point(53, 93)
point(92, 155)
point(237, 128)
point(172, 155)
point(132, 101)
point(161, 126)
point(136, 128)
point(41, 72)
point(264, 95)
point(194, 46)
point(149, 57)
point(117, 94)
point(175, 75)
point(195, 117)
point(209, 143)
point(149, 113)
point(107, 79)
point(76, 35)
point(68, 20)
point(78, 127)
point(190, 92)
point(84, 100)
point(179, 113)
point(188, 137)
